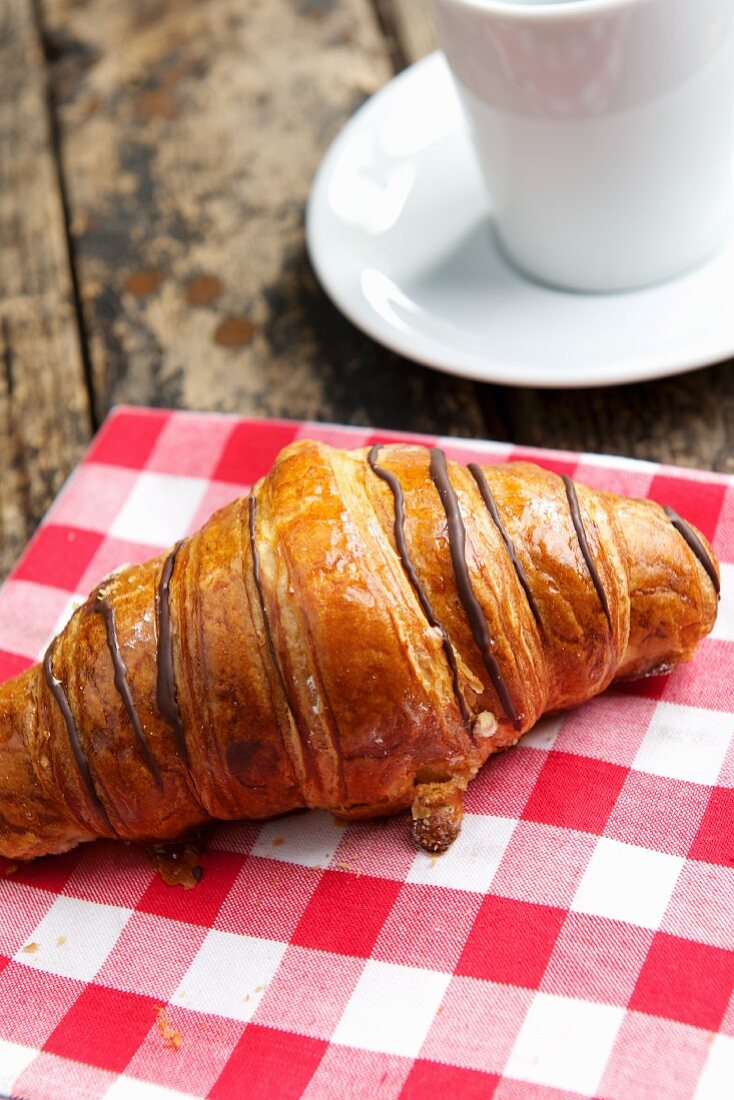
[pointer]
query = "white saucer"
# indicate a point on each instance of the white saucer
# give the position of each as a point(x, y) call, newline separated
point(399, 233)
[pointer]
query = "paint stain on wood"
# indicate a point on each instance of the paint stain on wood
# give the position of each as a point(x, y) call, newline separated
point(234, 332)
point(144, 282)
point(203, 290)
point(156, 103)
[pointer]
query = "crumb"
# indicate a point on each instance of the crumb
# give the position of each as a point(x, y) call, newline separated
point(435, 860)
point(260, 988)
point(60, 941)
point(348, 867)
point(11, 868)
point(278, 841)
point(315, 867)
point(171, 1036)
point(30, 948)
point(177, 863)
point(247, 997)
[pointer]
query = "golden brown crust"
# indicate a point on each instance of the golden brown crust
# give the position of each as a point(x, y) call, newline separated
point(325, 653)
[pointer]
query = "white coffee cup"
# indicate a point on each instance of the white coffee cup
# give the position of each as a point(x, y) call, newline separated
point(604, 128)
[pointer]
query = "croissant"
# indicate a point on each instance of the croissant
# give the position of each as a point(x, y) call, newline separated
point(358, 634)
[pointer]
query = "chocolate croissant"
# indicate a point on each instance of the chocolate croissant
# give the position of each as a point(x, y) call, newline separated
point(358, 634)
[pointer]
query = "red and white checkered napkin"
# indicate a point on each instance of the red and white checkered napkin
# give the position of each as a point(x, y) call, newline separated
point(577, 939)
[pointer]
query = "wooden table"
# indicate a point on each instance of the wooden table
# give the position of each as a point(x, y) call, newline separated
point(155, 157)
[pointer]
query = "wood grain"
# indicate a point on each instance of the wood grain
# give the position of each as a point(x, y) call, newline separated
point(190, 135)
point(44, 409)
point(409, 25)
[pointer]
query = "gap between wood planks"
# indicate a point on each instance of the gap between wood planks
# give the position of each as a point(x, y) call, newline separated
point(55, 148)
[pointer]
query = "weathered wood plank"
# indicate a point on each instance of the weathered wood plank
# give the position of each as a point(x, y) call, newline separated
point(44, 410)
point(688, 420)
point(190, 135)
point(410, 24)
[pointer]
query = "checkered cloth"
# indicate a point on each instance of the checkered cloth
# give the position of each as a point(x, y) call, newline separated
point(576, 940)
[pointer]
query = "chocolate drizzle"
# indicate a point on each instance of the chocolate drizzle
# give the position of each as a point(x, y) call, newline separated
point(404, 553)
point(103, 607)
point(472, 607)
point(578, 523)
point(488, 498)
point(166, 696)
point(80, 757)
point(694, 544)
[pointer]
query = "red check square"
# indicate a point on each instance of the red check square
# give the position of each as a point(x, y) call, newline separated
point(198, 906)
point(714, 841)
point(50, 872)
point(104, 1027)
point(251, 450)
point(267, 1062)
point(128, 437)
point(575, 792)
point(59, 556)
point(685, 981)
point(511, 941)
point(12, 664)
point(697, 502)
point(429, 1080)
point(346, 913)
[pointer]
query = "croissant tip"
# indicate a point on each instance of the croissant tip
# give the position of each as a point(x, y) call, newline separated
point(438, 809)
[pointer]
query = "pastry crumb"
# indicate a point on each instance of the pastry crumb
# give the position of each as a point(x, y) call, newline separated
point(278, 841)
point(171, 1036)
point(60, 941)
point(31, 948)
point(349, 867)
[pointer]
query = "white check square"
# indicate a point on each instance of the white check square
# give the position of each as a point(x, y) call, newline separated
point(13, 1060)
point(473, 858)
point(74, 938)
point(229, 975)
point(159, 509)
point(626, 883)
point(391, 1009)
point(717, 1080)
point(130, 1088)
point(309, 839)
point(564, 1043)
point(724, 625)
point(544, 734)
point(685, 743)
